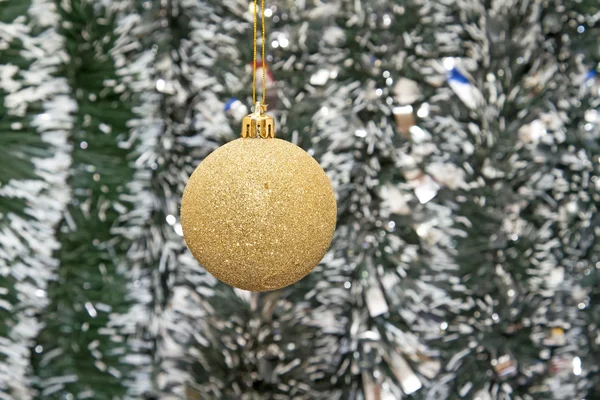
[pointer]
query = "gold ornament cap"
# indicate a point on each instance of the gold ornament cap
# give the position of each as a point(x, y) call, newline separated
point(258, 124)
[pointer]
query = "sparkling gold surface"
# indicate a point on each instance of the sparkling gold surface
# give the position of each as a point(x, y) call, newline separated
point(259, 214)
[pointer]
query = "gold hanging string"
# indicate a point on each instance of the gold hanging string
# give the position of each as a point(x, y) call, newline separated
point(258, 124)
point(254, 43)
point(263, 61)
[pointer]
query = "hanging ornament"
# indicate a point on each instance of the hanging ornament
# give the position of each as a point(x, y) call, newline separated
point(406, 91)
point(555, 337)
point(461, 85)
point(563, 365)
point(591, 82)
point(266, 79)
point(235, 109)
point(264, 74)
point(259, 212)
point(505, 366)
point(405, 119)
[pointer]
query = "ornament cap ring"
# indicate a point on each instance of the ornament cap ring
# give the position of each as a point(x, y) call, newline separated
point(258, 124)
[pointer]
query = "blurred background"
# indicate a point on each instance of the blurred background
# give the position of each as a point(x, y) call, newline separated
point(462, 140)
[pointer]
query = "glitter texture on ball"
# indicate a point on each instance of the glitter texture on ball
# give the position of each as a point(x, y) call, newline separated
point(259, 214)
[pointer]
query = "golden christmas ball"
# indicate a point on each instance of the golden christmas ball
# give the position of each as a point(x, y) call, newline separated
point(259, 214)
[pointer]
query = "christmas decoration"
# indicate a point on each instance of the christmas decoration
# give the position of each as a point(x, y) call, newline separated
point(266, 79)
point(235, 109)
point(405, 119)
point(406, 91)
point(505, 366)
point(555, 337)
point(259, 214)
point(462, 86)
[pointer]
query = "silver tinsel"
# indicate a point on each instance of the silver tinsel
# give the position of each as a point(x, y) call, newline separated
point(39, 104)
point(460, 138)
